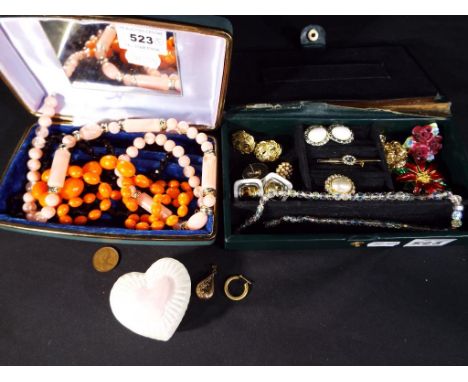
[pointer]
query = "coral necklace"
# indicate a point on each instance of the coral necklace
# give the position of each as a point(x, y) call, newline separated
point(206, 192)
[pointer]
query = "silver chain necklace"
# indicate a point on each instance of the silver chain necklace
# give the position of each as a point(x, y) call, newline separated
point(456, 200)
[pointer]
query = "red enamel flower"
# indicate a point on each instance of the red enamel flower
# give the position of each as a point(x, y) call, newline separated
point(422, 134)
point(420, 152)
point(425, 178)
point(435, 144)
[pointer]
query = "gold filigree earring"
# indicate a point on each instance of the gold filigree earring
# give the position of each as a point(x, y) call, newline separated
point(205, 288)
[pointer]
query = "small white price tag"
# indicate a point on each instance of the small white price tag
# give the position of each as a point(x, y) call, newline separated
point(383, 244)
point(429, 242)
point(135, 37)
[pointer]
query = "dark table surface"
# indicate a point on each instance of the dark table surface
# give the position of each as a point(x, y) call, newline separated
point(356, 306)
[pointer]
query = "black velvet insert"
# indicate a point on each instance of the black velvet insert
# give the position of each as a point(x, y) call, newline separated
point(309, 175)
point(372, 177)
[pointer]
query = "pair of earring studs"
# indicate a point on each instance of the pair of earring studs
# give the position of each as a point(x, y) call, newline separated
point(205, 289)
point(317, 135)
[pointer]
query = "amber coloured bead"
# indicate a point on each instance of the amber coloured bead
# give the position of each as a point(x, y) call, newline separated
point(92, 167)
point(94, 214)
point(126, 192)
point(80, 220)
point(72, 188)
point(145, 218)
point(135, 217)
point(91, 178)
point(142, 226)
point(157, 188)
point(126, 169)
point(75, 171)
point(142, 181)
point(65, 219)
point(105, 205)
point(38, 189)
point(108, 162)
point(166, 199)
point(116, 195)
point(63, 210)
point(131, 204)
point(156, 208)
point(185, 186)
point(173, 192)
point(157, 224)
point(89, 198)
point(184, 199)
point(130, 223)
point(172, 220)
point(182, 211)
point(174, 183)
point(105, 190)
point(45, 175)
point(75, 202)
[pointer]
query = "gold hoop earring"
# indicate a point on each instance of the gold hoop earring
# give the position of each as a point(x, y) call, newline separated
point(245, 292)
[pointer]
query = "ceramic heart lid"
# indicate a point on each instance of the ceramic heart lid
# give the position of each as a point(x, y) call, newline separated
point(153, 303)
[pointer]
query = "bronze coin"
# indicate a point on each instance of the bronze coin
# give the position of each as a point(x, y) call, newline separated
point(255, 171)
point(105, 259)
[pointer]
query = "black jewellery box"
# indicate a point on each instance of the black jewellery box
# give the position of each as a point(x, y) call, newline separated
point(380, 94)
point(185, 61)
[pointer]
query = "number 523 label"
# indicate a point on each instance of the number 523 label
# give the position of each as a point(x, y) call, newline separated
point(134, 37)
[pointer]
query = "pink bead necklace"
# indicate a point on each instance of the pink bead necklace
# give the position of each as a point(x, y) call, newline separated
point(152, 80)
point(204, 189)
point(206, 192)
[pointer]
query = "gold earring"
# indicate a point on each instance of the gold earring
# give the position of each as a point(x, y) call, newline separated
point(243, 142)
point(245, 292)
point(205, 288)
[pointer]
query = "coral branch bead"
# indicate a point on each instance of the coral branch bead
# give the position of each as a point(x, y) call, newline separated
point(197, 221)
point(201, 138)
point(171, 124)
point(192, 132)
point(69, 141)
point(194, 181)
point(33, 164)
point(44, 121)
point(169, 145)
point(161, 139)
point(90, 131)
point(178, 151)
point(35, 153)
point(189, 171)
point(52, 200)
point(48, 212)
point(132, 151)
point(139, 142)
point(184, 161)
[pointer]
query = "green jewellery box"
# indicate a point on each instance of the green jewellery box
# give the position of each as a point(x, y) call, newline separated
point(185, 63)
point(357, 99)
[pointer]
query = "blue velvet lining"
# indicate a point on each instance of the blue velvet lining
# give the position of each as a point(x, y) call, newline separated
point(14, 181)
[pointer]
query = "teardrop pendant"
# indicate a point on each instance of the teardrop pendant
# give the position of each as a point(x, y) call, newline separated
point(205, 288)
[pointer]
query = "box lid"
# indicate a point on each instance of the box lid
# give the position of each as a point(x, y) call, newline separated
point(171, 67)
point(329, 74)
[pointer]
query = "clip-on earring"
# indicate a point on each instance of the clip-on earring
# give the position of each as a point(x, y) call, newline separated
point(341, 134)
point(316, 135)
